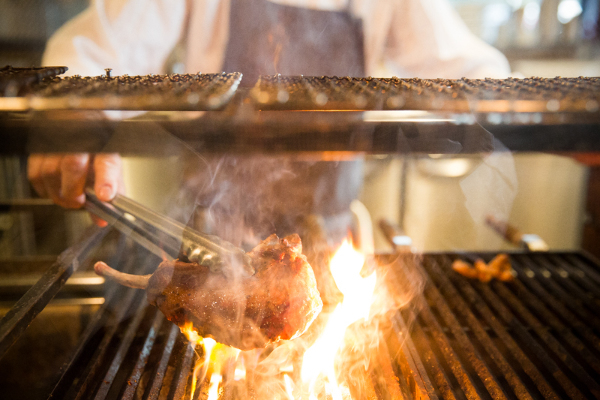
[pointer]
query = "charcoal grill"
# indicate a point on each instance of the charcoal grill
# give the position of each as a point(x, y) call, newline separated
point(535, 337)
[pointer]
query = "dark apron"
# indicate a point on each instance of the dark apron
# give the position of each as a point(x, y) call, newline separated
point(246, 198)
point(267, 38)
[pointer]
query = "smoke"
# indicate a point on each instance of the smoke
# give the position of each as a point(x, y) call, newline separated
point(245, 198)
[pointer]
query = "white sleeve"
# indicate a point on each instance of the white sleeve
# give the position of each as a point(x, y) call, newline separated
point(428, 39)
point(130, 36)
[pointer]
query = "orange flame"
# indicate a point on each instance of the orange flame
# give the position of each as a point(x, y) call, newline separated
point(215, 357)
point(319, 359)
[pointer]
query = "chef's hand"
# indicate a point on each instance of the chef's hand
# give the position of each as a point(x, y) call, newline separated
point(63, 177)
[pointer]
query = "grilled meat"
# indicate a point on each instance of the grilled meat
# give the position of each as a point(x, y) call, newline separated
point(499, 267)
point(279, 301)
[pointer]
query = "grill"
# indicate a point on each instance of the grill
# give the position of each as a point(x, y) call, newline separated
point(380, 115)
point(41, 89)
point(455, 95)
point(535, 337)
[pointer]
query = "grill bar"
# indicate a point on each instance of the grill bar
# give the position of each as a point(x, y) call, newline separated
point(527, 277)
point(439, 376)
point(582, 268)
point(183, 376)
point(384, 375)
point(565, 270)
point(450, 356)
point(183, 92)
point(122, 350)
point(158, 377)
point(14, 80)
point(549, 340)
point(530, 348)
point(461, 308)
point(435, 298)
point(477, 304)
point(134, 379)
point(411, 366)
point(39, 295)
point(523, 335)
point(575, 299)
point(96, 364)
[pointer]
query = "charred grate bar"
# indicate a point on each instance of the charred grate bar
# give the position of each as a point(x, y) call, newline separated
point(149, 92)
point(453, 95)
point(43, 291)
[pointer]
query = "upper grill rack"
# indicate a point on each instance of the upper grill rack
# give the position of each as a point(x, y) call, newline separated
point(452, 95)
point(41, 89)
point(181, 92)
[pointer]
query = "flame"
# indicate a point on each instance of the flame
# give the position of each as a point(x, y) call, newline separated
point(208, 344)
point(215, 357)
point(289, 386)
point(190, 333)
point(319, 359)
point(213, 389)
point(240, 372)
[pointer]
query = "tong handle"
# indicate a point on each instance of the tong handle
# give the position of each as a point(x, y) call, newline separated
point(396, 236)
point(513, 235)
point(208, 250)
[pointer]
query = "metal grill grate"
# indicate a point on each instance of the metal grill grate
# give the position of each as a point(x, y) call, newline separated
point(149, 92)
point(536, 337)
point(457, 95)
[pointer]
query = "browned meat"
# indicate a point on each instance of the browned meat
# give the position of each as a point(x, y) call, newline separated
point(499, 267)
point(279, 301)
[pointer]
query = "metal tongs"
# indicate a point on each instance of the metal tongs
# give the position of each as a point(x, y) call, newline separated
point(145, 227)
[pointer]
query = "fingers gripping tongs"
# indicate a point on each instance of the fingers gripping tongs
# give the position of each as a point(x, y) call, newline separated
point(166, 237)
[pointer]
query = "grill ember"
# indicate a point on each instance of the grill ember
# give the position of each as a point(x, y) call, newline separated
point(534, 337)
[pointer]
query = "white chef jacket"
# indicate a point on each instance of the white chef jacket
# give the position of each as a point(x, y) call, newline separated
point(405, 38)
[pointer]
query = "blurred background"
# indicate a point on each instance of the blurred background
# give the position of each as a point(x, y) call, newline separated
point(540, 37)
point(429, 196)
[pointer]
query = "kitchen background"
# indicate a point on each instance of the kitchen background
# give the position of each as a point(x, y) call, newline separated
point(434, 198)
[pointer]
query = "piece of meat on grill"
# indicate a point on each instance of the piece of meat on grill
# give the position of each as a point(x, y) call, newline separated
point(279, 301)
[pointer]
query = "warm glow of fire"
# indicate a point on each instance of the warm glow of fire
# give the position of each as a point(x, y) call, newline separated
point(208, 345)
point(318, 372)
point(319, 359)
point(190, 333)
point(215, 357)
point(240, 372)
point(213, 389)
point(289, 386)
